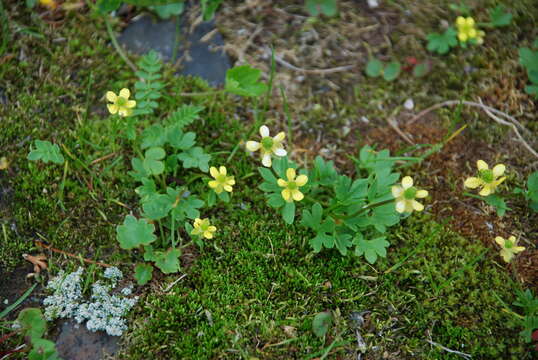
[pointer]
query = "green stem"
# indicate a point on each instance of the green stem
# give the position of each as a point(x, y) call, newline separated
point(173, 230)
point(187, 244)
point(161, 229)
point(371, 206)
point(117, 46)
point(203, 93)
point(257, 121)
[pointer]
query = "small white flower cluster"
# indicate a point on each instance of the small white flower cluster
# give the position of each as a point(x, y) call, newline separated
point(103, 311)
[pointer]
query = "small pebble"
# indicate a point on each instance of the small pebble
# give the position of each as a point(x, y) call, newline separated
point(409, 104)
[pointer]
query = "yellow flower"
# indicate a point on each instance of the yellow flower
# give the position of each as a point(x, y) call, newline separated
point(291, 187)
point(468, 31)
point(406, 194)
point(51, 4)
point(203, 228)
point(120, 103)
point(487, 179)
point(221, 182)
point(4, 164)
point(509, 247)
point(268, 145)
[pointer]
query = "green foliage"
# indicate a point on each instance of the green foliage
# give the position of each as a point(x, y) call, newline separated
point(497, 202)
point(441, 43)
point(376, 68)
point(421, 69)
point(45, 151)
point(195, 158)
point(318, 7)
point(321, 323)
point(499, 17)
point(134, 233)
point(532, 190)
point(371, 248)
point(243, 80)
point(33, 326)
point(529, 59)
point(209, 8)
point(143, 273)
point(168, 10)
point(529, 304)
point(149, 87)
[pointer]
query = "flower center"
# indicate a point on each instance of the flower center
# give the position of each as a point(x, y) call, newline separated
point(508, 244)
point(267, 143)
point(292, 185)
point(410, 193)
point(121, 101)
point(487, 175)
point(221, 178)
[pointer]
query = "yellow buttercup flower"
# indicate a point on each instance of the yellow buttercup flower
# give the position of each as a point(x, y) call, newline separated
point(4, 164)
point(406, 194)
point(51, 4)
point(268, 145)
point(221, 182)
point(202, 227)
point(487, 179)
point(120, 103)
point(291, 187)
point(509, 247)
point(468, 31)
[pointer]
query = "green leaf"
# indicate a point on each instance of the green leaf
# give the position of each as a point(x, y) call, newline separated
point(179, 140)
point(46, 151)
point(371, 248)
point(391, 71)
point(143, 273)
point(147, 189)
point(288, 212)
point(43, 350)
point(168, 262)
point(441, 43)
point(322, 240)
point(31, 3)
point(267, 175)
point(275, 200)
point(420, 70)
point(324, 171)
point(184, 116)
point(374, 68)
point(32, 322)
point(342, 243)
point(152, 163)
point(526, 301)
point(134, 233)
point(195, 157)
point(325, 7)
point(169, 10)
point(312, 219)
point(321, 323)
point(157, 206)
point(139, 172)
point(188, 207)
point(209, 7)
point(498, 203)
point(499, 17)
point(530, 323)
point(532, 186)
point(106, 6)
point(532, 90)
point(528, 58)
point(243, 80)
point(153, 136)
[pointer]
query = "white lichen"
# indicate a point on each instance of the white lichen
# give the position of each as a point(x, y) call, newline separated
point(103, 311)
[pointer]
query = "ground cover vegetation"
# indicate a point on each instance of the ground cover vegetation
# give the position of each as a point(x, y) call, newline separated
point(300, 211)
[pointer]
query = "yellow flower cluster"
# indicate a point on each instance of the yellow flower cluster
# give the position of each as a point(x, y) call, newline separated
point(291, 187)
point(467, 30)
point(487, 179)
point(202, 227)
point(221, 182)
point(509, 247)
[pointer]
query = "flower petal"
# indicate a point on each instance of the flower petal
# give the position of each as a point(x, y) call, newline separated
point(498, 170)
point(212, 228)
point(297, 195)
point(518, 249)
point(264, 131)
point(417, 206)
point(213, 184)
point(266, 160)
point(462, 37)
point(123, 112)
point(228, 188)
point(110, 96)
point(301, 180)
point(208, 235)
point(282, 183)
point(280, 137)
point(472, 183)
point(421, 194)
point(222, 170)
point(112, 108)
point(213, 171)
point(407, 182)
point(499, 240)
point(397, 190)
point(290, 174)
point(286, 194)
point(280, 152)
point(482, 165)
point(507, 255)
point(230, 180)
point(131, 104)
point(253, 145)
point(486, 190)
point(400, 206)
point(125, 93)
point(469, 21)
point(460, 20)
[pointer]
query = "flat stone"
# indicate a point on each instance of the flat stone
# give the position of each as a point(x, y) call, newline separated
point(76, 342)
point(198, 58)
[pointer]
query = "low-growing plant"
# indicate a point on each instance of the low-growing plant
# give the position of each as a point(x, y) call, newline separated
point(487, 180)
point(531, 192)
point(529, 305)
point(529, 59)
point(318, 7)
point(389, 71)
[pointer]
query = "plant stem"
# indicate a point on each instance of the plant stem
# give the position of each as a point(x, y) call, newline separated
point(117, 46)
point(256, 124)
point(172, 234)
point(371, 206)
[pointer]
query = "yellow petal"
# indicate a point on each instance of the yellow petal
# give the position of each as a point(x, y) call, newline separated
point(486, 190)
point(125, 93)
point(297, 195)
point(397, 191)
point(500, 241)
point(264, 131)
point(422, 194)
point(417, 206)
point(213, 184)
point(462, 37)
point(266, 160)
point(253, 145)
point(280, 152)
point(110, 96)
point(482, 165)
point(212, 228)
point(469, 21)
point(407, 182)
point(282, 183)
point(131, 104)
point(279, 137)
point(197, 222)
point(4, 164)
point(409, 206)
point(208, 235)
point(112, 108)
point(222, 170)
point(123, 112)
point(460, 20)
point(507, 255)
point(213, 171)
point(498, 170)
point(400, 206)
point(230, 181)
point(301, 180)
point(227, 188)
point(290, 174)
point(286, 195)
point(518, 249)
point(472, 183)
point(472, 33)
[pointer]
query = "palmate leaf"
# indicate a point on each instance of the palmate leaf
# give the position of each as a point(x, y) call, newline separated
point(134, 233)
point(374, 68)
point(499, 17)
point(195, 158)
point(152, 160)
point(243, 80)
point(143, 273)
point(321, 323)
point(168, 262)
point(33, 322)
point(46, 151)
point(441, 43)
point(43, 350)
point(371, 249)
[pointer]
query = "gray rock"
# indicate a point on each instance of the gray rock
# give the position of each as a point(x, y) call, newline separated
point(76, 342)
point(202, 59)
